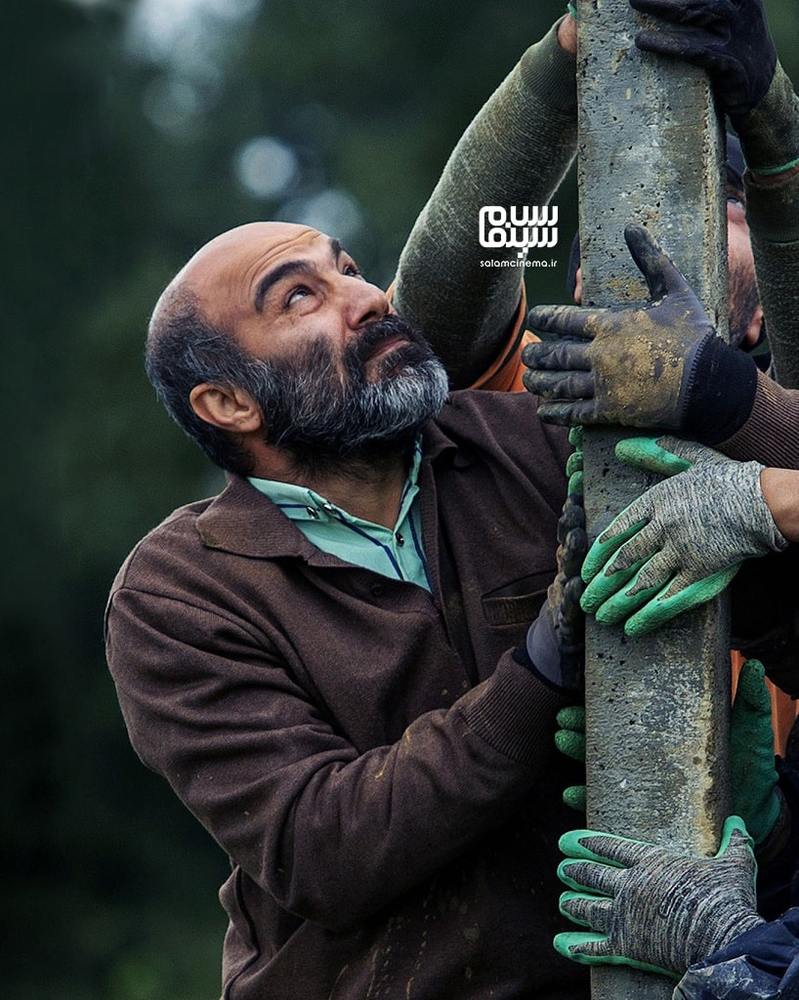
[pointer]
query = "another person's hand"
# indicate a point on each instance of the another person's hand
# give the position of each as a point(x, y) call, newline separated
point(680, 543)
point(653, 908)
point(555, 644)
point(728, 38)
point(660, 365)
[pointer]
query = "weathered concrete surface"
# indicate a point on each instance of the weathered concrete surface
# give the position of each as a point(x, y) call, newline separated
point(657, 707)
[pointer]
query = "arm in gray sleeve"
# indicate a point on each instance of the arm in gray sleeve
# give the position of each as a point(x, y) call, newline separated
point(770, 138)
point(515, 152)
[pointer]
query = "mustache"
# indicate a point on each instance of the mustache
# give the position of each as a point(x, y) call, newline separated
point(377, 333)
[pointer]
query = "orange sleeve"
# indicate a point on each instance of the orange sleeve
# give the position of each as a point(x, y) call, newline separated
point(505, 372)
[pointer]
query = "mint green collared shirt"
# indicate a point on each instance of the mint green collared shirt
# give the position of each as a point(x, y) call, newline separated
point(397, 553)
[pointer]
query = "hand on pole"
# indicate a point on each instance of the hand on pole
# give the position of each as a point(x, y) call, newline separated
point(680, 543)
point(729, 39)
point(652, 908)
point(660, 365)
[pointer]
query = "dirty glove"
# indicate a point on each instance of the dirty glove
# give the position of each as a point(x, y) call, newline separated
point(728, 38)
point(653, 908)
point(554, 647)
point(681, 543)
point(659, 365)
point(755, 795)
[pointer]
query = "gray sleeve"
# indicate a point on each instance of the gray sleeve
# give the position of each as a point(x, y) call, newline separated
point(515, 152)
point(770, 139)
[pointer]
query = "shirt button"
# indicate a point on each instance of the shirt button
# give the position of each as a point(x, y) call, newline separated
point(328, 507)
point(313, 512)
point(400, 539)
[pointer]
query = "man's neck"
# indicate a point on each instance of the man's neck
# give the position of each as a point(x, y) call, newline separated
point(367, 487)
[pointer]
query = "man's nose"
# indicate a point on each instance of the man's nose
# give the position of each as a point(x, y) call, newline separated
point(367, 303)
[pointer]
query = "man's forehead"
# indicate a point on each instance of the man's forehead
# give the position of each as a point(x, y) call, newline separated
point(252, 247)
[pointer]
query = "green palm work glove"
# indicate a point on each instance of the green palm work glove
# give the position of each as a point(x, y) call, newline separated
point(755, 794)
point(570, 740)
point(681, 543)
point(653, 908)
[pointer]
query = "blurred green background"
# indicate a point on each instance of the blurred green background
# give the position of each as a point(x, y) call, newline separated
point(134, 132)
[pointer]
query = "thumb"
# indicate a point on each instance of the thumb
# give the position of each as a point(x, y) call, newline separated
point(665, 455)
point(660, 274)
point(735, 841)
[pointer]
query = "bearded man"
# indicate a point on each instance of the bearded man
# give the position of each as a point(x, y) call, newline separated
point(332, 662)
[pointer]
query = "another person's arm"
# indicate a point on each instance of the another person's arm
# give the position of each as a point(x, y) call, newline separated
point(515, 152)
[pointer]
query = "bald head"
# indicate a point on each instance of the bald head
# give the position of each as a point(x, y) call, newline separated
point(252, 300)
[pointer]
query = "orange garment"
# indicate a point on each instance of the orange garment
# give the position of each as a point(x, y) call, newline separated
point(505, 375)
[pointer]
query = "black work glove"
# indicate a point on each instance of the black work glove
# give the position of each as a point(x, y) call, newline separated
point(727, 38)
point(660, 365)
point(555, 645)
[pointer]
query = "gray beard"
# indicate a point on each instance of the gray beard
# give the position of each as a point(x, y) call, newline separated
point(326, 419)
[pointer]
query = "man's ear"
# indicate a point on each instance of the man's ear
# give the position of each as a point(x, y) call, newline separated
point(752, 334)
point(578, 286)
point(232, 410)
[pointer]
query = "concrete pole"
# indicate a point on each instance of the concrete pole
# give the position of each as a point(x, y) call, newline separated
point(657, 708)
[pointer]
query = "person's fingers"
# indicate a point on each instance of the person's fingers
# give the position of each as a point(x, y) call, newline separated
point(602, 879)
point(660, 274)
point(588, 911)
point(574, 463)
point(574, 797)
point(632, 595)
point(643, 545)
point(675, 599)
point(576, 438)
point(568, 414)
point(571, 744)
point(586, 948)
point(621, 529)
point(565, 321)
point(562, 385)
point(679, 12)
point(665, 456)
point(557, 356)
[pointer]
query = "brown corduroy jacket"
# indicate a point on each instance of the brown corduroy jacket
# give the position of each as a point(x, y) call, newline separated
point(379, 769)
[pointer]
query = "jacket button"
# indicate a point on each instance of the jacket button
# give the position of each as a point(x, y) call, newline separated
point(377, 590)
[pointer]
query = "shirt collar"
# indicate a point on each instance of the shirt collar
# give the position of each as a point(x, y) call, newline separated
point(300, 503)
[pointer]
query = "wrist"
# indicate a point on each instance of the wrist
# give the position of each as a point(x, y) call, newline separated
point(549, 72)
point(770, 132)
point(719, 387)
point(780, 488)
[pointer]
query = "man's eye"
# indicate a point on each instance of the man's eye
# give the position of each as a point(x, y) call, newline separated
point(297, 293)
point(353, 271)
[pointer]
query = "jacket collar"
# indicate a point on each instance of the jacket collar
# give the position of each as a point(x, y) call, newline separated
point(243, 521)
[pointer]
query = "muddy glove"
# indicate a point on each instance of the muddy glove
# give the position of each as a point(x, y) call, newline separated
point(755, 795)
point(681, 543)
point(727, 38)
point(554, 647)
point(659, 365)
point(653, 908)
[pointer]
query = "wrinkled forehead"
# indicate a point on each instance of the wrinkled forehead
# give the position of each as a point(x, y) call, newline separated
point(224, 273)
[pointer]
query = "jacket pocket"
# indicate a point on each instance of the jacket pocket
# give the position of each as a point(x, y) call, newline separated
point(517, 602)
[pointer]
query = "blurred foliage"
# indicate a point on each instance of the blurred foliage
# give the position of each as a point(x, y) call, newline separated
point(126, 128)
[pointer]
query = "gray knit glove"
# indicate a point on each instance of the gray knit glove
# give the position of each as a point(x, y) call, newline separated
point(652, 908)
point(681, 543)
